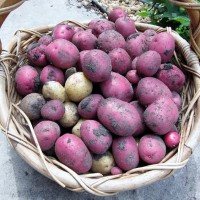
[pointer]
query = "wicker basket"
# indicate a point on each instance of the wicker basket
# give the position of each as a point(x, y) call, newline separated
point(18, 128)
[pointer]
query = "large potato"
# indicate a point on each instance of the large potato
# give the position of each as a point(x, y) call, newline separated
point(149, 89)
point(125, 152)
point(72, 152)
point(77, 87)
point(161, 115)
point(118, 116)
point(95, 136)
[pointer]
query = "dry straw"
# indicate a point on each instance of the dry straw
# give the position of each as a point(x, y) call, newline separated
point(18, 129)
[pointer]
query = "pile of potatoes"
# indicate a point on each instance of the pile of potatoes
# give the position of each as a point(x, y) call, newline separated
point(105, 99)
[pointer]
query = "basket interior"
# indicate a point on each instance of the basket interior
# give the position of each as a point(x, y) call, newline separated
point(18, 127)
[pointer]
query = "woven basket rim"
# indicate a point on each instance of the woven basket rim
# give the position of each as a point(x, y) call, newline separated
point(97, 184)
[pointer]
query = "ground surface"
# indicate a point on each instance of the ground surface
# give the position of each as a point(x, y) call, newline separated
point(20, 182)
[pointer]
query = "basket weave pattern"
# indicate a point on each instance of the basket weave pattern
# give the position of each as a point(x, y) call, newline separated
point(18, 128)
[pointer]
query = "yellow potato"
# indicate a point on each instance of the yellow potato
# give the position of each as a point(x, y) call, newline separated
point(54, 90)
point(76, 128)
point(102, 163)
point(77, 87)
point(71, 116)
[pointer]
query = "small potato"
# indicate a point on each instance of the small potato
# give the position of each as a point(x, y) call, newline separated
point(152, 148)
point(102, 163)
point(47, 132)
point(77, 87)
point(120, 59)
point(161, 115)
point(109, 40)
point(172, 76)
point(54, 90)
point(62, 53)
point(148, 63)
point(164, 44)
point(125, 26)
point(76, 128)
point(117, 86)
point(31, 104)
point(95, 136)
point(72, 152)
point(116, 13)
point(116, 170)
point(84, 40)
point(96, 65)
point(53, 110)
point(100, 26)
point(177, 99)
point(63, 30)
point(36, 54)
point(45, 39)
point(87, 108)
point(133, 76)
point(125, 152)
point(136, 40)
point(27, 80)
point(51, 73)
point(71, 116)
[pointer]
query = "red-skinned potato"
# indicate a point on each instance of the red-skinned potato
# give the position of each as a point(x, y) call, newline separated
point(117, 86)
point(45, 39)
point(31, 104)
point(132, 76)
point(36, 54)
point(125, 152)
point(136, 40)
point(172, 76)
point(141, 126)
point(125, 26)
point(63, 30)
point(96, 65)
point(120, 59)
point(164, 44)
point(161, 115)
point(116, 170)
point(62, 53)
point(51, 73)
point(149, 89)
point(84, 40)
point(101, 26)
point(172, 139)
point(177, 99)
point(109, 40)
point(118, 116)
point(95, 136)
point(116, 13)
point(87, 108)
point(53, 110)
point(80, 62)
point(47, 132)
point(27, 80)
point(152, 148)
point(148, 63)
point(72, 152)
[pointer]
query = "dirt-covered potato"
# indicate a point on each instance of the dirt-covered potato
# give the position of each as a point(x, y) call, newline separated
point(71, 116)
point(31, 104)
point(54, 90)
point(77, 87)
point(76, 127)
point(102, 163)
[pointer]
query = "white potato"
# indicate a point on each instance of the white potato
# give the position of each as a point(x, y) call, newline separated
point(71, 116)
point(54, 90)
point(77, 87)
